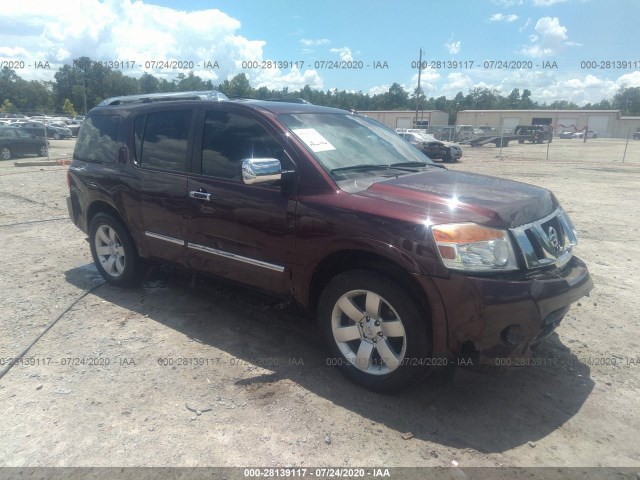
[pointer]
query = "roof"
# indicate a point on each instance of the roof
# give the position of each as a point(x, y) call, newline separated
point(133, 102)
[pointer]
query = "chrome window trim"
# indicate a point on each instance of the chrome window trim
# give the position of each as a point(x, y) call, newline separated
point(239, 258)
point(166, 238)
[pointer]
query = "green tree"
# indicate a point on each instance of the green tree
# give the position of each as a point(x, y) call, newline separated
point(7, 107)
point(513, 100)
point(239, 86)
point(526, 103)
point(563, 105)
point(627, 100)
point(68, 109)
point(148, 83)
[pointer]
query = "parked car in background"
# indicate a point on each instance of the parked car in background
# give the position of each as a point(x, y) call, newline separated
point(15, 142)
point(566, 134)
point(432, 147)
point(636, 134)
point(50, 131)
point(534, 133)
point(590, 134)
point(74, 126)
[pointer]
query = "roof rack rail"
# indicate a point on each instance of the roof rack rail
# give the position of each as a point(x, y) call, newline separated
point(289, 100)
point(165, 97)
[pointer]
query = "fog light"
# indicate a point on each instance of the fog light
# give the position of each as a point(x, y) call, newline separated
point(513, 335)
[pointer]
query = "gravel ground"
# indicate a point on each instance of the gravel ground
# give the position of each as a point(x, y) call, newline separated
point(191, 372)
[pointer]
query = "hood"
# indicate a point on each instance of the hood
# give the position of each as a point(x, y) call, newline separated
point(451, 196)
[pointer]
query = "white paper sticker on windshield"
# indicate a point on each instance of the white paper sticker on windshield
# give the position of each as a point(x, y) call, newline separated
point(314, 140)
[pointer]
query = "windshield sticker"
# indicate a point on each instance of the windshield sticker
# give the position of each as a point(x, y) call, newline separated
point(314, 140)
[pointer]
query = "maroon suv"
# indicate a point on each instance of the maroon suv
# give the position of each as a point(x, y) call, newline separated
point(405, 264)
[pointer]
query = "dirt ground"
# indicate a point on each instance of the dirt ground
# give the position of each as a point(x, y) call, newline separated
point(177, 373)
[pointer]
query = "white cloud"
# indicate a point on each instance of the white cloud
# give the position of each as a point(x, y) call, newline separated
point(377, 90)
point(507, 3)
point(501, 17)
point(547, 3)
point(428, 82)
point(453, 47)
point(629, 80)
point(345, 53)
point(457, 82)
point(133, 31)
point(294, 79)
point(10, 53)
point(550, 39)
point(525, 26)
point(314, 43)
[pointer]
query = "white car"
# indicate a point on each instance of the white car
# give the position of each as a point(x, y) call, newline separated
point(590, 134)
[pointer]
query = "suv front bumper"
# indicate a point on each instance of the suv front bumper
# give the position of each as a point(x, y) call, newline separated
point(502, 317)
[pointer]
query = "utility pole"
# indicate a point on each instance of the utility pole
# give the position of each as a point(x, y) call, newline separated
point(418, 91)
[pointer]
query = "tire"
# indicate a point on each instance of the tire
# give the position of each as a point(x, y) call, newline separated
point(44, 151)
point(447, 159)
point(57, 136)
point(376, 333)
point(114, 251)
point(5, 153)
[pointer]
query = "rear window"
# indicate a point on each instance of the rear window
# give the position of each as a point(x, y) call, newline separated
point(162, 139)
point(98, 139)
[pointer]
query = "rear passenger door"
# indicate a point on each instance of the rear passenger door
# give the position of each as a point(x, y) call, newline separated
point(242, 232)
point(164, 145)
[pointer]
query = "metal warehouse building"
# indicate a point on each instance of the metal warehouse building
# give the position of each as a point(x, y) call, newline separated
point(405, 118)
point(608, 123)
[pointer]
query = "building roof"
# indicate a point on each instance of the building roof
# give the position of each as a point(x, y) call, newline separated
point(541, 111)
point(401, 111)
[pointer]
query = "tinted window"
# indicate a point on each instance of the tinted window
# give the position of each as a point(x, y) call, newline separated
point(98, 139)
point(162, 139)
point(10, 133)
point(22, 134)
point(229, 138)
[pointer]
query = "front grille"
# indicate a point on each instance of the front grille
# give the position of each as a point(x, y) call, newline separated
point(548, 241)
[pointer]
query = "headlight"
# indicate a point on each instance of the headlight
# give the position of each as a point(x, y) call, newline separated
point(472, 247)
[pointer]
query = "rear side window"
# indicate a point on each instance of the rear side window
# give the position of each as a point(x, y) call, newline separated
point(162, 139)
point(98, 139)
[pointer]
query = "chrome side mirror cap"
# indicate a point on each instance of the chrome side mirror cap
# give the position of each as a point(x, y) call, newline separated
point(261, 170)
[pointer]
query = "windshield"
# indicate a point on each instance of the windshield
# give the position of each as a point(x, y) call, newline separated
point(342, 141)
point(425, 137)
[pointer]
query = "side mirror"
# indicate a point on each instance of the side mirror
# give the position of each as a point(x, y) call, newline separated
point(261, 170)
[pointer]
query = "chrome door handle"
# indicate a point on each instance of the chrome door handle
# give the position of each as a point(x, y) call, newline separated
point(200, 195)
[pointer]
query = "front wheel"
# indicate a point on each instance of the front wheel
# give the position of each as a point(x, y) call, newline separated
point(377, 335)
point(5, 153)
point(113, 250)
point(44, 151)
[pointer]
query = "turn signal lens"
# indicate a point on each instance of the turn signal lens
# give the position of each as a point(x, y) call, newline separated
point(472, 247)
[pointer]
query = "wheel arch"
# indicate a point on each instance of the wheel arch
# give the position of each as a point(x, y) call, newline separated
point(100, 206)
point(352, 259)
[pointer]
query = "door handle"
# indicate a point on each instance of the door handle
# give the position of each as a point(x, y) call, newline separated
point(200, 195)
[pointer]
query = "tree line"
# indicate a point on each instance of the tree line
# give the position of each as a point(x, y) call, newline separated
point(84, 83)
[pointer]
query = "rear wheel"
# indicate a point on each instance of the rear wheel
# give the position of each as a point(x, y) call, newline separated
point(113, 250)
point(44, 151)
point(5, 153)
point(376, 333)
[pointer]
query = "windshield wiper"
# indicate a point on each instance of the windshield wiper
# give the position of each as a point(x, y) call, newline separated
point(366, 166)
